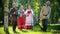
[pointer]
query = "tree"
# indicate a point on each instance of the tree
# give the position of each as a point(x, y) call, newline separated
point(6, 2)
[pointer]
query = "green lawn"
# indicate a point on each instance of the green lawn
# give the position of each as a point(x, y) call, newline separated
point(36, 30)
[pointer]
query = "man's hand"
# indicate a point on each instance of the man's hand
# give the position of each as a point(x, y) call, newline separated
point(44, 17)
point(40, 18)
point(14, 13)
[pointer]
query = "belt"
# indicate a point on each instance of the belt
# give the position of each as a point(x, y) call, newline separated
point(44, 15)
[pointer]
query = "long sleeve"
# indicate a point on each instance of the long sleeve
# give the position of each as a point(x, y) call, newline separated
point(16, 12)
point(49, 13)
point(32, 12)
point(10, 10)
point(41, 11)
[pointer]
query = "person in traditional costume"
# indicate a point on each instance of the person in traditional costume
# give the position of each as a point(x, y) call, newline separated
point(21, 18)
point(13, 13)
point(44, 15)
point(29, 18)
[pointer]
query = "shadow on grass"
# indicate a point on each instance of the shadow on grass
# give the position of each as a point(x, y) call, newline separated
point(56, 32)
point(24, 30)
point(36, 28)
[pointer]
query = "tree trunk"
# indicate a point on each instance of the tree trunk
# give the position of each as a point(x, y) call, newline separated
point(6, 2)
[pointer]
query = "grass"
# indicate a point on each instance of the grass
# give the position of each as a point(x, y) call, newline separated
point(36, 30)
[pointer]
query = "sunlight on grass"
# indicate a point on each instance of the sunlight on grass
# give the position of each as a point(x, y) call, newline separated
point(36, 30)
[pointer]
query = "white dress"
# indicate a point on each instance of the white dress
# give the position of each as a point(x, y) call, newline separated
point(29, 19)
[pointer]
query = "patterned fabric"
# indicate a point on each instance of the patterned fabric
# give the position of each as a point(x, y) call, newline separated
point(29, 18)
point(20, 13)
point(21, 19)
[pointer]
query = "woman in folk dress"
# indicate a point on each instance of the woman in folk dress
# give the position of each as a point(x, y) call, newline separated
point(21, 19)
point(29, 18)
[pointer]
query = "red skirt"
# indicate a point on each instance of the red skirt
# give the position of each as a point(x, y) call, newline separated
point(21, 22)
point(28, 27)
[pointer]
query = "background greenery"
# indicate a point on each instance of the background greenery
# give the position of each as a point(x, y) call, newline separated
point(54, 21)
point(36, 6)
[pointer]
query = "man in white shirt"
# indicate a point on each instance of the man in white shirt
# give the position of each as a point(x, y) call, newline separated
point(45, 14)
